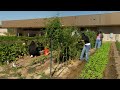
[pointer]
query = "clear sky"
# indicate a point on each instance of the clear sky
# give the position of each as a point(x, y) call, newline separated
point(18, 15)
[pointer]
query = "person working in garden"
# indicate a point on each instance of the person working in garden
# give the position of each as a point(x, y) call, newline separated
point(98, 40)
point(46, 51)
point(32, 49)
point(86, 47)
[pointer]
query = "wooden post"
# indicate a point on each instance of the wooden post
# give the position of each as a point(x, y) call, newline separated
point(50, 57)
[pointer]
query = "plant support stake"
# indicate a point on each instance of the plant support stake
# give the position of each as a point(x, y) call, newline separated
point(50, 58)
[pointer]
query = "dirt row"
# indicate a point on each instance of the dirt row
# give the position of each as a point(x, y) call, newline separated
point(117, 60)
point(110, 71)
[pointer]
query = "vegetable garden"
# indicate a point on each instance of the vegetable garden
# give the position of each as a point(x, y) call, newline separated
point(65, 46)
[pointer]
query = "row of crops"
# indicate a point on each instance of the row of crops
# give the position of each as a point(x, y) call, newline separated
point(97, 63)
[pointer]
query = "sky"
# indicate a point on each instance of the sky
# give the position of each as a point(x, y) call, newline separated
point(19, 15)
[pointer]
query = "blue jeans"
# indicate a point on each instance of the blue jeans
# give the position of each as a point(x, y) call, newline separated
point(85, 51)
point(97, 43)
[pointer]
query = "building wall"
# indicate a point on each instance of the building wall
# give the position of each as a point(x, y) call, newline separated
point(87, 20)
point(115, 18)
point(108, 30)
point(82, 20)
point(2, 31)
point(68, 21)
point(105, 19)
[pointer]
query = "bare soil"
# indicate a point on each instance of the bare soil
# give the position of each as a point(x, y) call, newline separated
point(75, 71)
point(72, 70)
point(110, 71)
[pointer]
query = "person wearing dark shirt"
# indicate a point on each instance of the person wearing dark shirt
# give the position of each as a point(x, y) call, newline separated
point(86, 47)
point(101, 37)
point(32, 49)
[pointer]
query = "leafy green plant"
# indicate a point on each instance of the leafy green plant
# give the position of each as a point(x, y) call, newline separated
point(97, 63)
point(11, 48)
point(62, 38)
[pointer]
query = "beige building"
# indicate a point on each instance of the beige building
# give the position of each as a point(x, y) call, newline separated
point(107, 23)
point(3, 31)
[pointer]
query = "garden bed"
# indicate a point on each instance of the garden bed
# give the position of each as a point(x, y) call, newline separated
point(68, 70)
point(97, 63)
point(110, 71)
